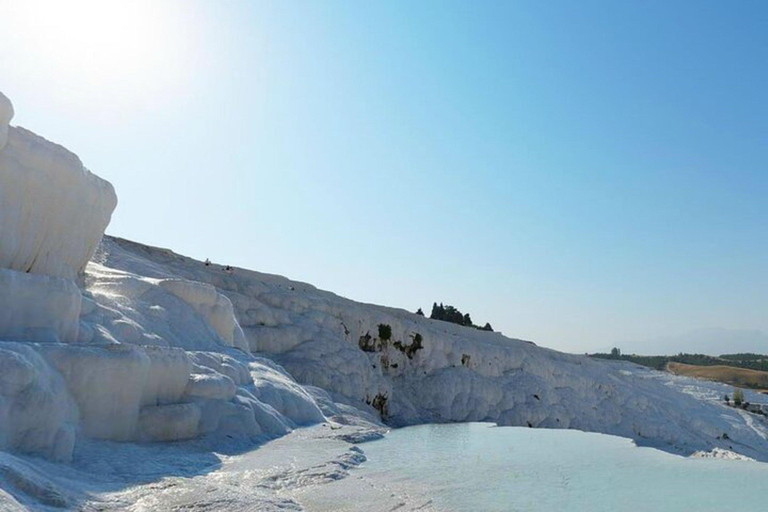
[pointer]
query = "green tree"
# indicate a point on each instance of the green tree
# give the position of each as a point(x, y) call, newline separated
point(738, 397)
point(385, 332)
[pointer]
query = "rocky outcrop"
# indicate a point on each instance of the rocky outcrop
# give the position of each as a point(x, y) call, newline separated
point(53, 211)
point(108, 361)
point(38, 307)
point(6, 114)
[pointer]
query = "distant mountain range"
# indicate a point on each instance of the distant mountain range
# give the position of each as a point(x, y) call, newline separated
point(713, 341)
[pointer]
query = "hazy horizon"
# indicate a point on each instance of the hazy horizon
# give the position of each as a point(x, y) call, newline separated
point(575, 174)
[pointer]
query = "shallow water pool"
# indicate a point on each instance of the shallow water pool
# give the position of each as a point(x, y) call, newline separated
point(481, 467)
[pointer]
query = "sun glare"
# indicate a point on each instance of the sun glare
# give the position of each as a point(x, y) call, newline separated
point(89, 45)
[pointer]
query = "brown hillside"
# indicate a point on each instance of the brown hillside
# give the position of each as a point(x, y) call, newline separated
point(741, 377)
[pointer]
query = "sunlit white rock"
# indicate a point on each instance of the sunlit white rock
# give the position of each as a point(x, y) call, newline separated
point(37, 414)
point(53, 211)
point(6, 114)
point(38, 308)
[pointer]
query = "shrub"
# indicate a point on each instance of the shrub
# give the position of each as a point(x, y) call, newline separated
point(738, 397)
point(410, 350)
point(385, 332)
point(367, 343)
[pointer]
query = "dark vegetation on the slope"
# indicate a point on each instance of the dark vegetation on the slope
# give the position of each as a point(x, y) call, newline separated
point(385, 332)
point(368, 343)
point(454, 316)
point(379, 402)
point(748, 361)
point(740, 403)
point(410, 350)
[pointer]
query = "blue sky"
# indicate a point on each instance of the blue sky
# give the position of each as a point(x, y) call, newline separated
point(576, 173)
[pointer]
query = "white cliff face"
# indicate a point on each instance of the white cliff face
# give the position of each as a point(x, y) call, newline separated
point(38, 308)
point(6, 114)
point(53, 211)
point(214, 307)
point(37, 414)
point(130, 357)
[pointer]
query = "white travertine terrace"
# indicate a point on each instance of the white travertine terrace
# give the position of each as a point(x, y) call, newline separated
point(148, 345)
point(6, 114)
point(53, 211)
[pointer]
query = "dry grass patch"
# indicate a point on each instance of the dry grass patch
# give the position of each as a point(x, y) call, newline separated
point(740, 377)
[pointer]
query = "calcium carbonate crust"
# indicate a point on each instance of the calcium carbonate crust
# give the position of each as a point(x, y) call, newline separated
point(102, 338)
point(53, 211)
point(6, 114)
point(111, 354)
point(433, 371)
